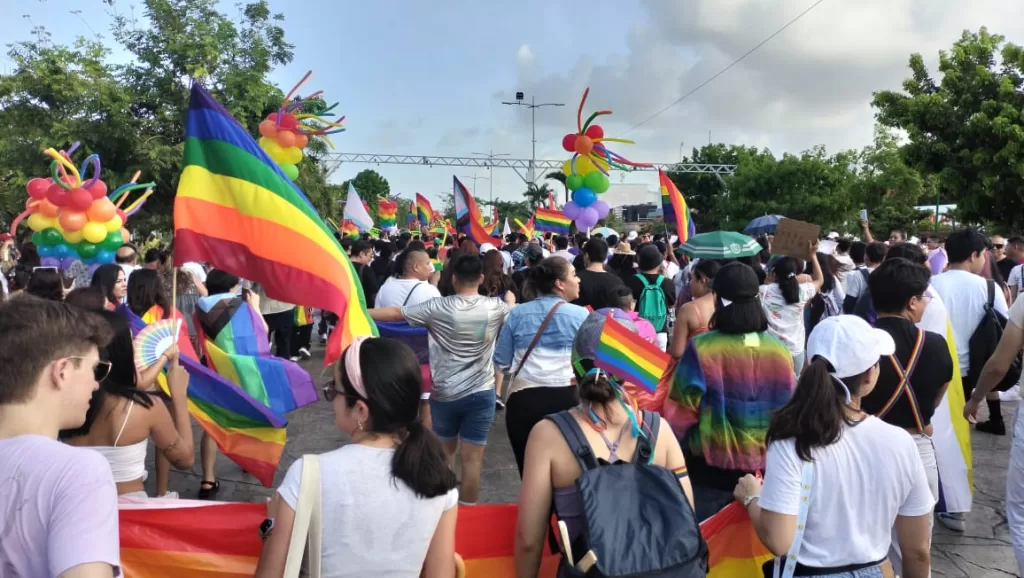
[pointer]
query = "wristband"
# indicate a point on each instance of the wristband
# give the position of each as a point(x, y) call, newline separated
point(749, 500)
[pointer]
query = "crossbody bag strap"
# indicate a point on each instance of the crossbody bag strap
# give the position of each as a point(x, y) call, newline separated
point(904, 387)
point(411, 291)
point(536, 338)
point(306, 528)
point(806, 481)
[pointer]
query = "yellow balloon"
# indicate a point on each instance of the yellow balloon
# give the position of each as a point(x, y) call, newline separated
point(291, 156)
point(567, 167)
point(94, 232)
point(114, 224)
point(73, 236)
point(37, 222)
point(601, 162)
point(271, 147)
point(584, 166)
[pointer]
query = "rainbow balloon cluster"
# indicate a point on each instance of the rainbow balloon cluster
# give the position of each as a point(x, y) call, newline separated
point(72, 216)
point(586, 173)
point(286, 132)
point(387, 213)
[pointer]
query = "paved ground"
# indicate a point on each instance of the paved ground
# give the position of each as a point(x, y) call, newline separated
point(983, 551)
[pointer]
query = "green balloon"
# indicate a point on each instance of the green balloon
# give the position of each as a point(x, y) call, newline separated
point(573, 182)
point(596, 181)
point(51, 236)
point(291, 171)
point(113, 241)
point(37, 238)
point(87, 250)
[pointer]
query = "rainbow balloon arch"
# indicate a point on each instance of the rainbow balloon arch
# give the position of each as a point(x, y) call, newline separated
point(72, 216)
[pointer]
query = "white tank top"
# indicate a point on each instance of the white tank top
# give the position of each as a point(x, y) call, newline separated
point(128, 463)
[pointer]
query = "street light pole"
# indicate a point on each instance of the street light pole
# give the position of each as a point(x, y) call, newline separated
point(490, 168)
point(533, 106)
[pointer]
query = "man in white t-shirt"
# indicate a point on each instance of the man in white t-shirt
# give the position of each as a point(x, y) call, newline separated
point(857, 281)
point(965, 294)
point(58, 503)
point(412, 287)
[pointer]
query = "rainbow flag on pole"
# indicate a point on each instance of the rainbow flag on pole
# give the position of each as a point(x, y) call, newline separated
point(424, 210)
point(627, 356)
point(236, 210)
point(552, 221)
point(527, 228)
point(467, 215)
point(387, 213)
point(674, 207)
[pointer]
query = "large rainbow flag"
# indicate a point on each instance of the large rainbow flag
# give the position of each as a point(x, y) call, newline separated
point(674, 208)
point(236, 210)
point(551, 220)
point(245, 429)
point(424, 210)
point(467, 216)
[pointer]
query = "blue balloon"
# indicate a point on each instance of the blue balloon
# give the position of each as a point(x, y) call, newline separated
point(45, 251)
point(584, 197)
point(61, 251)
point(104, 256)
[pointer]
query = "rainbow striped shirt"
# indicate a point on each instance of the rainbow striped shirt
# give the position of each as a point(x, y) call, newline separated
point(728, 386)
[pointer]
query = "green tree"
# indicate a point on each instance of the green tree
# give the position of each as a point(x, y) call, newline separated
point(536, 195)
point(967, 129)
point(888, 188)
point(510, 210)
point(371, 187)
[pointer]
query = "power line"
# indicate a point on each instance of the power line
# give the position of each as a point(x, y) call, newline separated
point(726, 69)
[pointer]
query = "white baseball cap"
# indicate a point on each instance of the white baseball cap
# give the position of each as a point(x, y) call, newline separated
point(849, 344)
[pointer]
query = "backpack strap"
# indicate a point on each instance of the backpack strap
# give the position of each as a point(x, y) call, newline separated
point(866, 274)
point(575, 438)
point(806, 481)
point(536, 338)
point(903, 387)
point(644, 453)
point(991, 293)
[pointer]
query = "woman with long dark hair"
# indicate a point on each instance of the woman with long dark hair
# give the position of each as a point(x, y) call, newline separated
point(445, 282)
point(784, 296)
point(122, 418)
point(834, 472)
point(110, 278)
point(392, 480)
point(534, 347)
point(48, 283)
point(694, 317)
point(496, 281)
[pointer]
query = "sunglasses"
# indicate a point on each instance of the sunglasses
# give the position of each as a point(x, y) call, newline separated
point(100, 371)
point(998, 245)
point(330, 392)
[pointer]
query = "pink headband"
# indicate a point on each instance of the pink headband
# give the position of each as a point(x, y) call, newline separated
point(355, 375)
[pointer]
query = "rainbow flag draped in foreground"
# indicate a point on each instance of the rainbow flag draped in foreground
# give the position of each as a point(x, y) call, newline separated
point(467, 215)
point(245, 430)
point(236, 210)
point(552, 221)
point(674, 208)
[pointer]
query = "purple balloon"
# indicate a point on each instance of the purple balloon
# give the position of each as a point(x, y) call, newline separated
point(601, 207)
point(571, 210)
point(67, 262)
point(587, 219)
point(50, 262)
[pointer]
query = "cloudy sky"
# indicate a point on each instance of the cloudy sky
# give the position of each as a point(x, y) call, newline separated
point(428, 78)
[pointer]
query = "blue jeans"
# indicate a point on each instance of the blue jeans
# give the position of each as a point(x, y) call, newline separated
point(467, 418)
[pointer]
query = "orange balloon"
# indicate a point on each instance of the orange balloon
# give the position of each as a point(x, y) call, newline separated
point(286, 139)
point(584, 145)
point(301, 140)
point(126, 235)
point(101, 210)
point(72, 220)
point(268, 128)
point(47, 208)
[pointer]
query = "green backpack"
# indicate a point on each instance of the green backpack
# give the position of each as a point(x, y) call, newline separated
point(652, 306)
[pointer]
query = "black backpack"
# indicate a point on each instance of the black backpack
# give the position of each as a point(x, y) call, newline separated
point(637, 520)
point(850, 302)
point(984, 341)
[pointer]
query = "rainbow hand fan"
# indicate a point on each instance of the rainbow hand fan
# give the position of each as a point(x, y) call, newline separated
point(155, 339)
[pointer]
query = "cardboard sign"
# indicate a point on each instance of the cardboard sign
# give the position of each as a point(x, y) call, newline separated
point(792, 237)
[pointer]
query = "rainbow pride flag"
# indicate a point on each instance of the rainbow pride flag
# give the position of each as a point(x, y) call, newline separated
point(674, 207)
point(734, 550)
point(245, 430)
point(467, 215)
point(236, 210)
point(627, 356)
point(424, 211)
point(349, 229)
point(552, 221)
point(303, 316)
point(387, 213)
point(527, 228)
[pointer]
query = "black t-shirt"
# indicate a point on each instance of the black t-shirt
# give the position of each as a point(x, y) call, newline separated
point(596, 289)
point(934, 370)
point(1006, 265)
point(369, 282)
point(637, 287)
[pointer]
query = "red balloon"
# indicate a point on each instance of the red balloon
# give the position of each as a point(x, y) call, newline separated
point(57, 195)
point(594, 131)
point(69, 180)
point(288, 121)
point(98, 189)
point(569, 142)
point(79, 199)
point(272, 117)
point(37, 188)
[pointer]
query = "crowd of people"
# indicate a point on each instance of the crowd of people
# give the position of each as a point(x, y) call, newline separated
point(794, 381)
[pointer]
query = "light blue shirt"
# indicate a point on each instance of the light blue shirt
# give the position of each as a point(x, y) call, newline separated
point(549, 364)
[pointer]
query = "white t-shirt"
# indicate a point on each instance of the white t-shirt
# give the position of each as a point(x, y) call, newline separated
point(786, 320)
point(855, 283)
point(1016, 279)
point(373, 524)
point(565, 255)
point(847, 262)
point(934, 317)
point(861, 483)
point(196, 270)
point(965, 295)
point(395, 291)
point(671, 269)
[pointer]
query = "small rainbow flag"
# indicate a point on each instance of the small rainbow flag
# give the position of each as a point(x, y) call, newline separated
point(526, 229)
point(626, 355)
point(387, 213)
point(236, 210)
point(551, 221)
point(467, 215)
point(734, 550)
point(674, 208)
point(349, 229)
point(424, 211)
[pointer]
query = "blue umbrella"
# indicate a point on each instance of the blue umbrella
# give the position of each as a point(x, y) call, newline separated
point(763, 225)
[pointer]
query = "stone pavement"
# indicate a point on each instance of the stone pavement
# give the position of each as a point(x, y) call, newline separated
point(983, 551)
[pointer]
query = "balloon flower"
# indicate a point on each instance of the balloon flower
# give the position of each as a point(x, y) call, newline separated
point(72, 216)
point(283, 134)
point(586, 173)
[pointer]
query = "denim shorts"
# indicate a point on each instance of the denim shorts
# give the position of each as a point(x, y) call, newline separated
point(467, 419)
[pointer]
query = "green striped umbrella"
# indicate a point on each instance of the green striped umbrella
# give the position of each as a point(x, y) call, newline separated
point(721, 245)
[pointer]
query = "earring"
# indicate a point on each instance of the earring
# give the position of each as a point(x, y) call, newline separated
point(359, 424)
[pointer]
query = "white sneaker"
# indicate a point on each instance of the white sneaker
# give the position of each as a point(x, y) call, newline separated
point(294, 358)
point(956, 521)
point(169, 496)
point(305, 353)
point(1012, 394)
